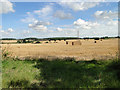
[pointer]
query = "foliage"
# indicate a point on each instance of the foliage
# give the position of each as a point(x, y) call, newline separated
point(18, 41)
point(60, 73)
point(6, 53)
point(46, 42)
point(38, 42)
point(8, 39)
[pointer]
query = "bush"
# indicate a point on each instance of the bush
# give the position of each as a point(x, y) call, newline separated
point(19, 41)
point(46, 42)
point(37, 42)
point(5, 53)
point(24, 41)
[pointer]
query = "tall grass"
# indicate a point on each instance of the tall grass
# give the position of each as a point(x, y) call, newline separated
point(60, 73)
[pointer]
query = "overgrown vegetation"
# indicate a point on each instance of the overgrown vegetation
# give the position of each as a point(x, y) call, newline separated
point(5, 53)
point(60, 73)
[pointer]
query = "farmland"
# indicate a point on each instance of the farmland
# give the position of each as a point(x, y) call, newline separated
point(88, 50)
point(55, 64)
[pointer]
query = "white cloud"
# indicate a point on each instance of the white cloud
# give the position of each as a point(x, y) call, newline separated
point(39, 25)
point(85, 24)
point(10, 30)
point(42, 23)
point(80, 22)
point(62, 15)
point(78, 6)
point(112, 23)
point(97, 13)
point(106, 28)
point(26, 31)
point(59, 29)
point(6, 6)
point(44, 11)
point(6, 32)
point(29, 18)
point(2, 31)
point(42, 14)
point(106, 15)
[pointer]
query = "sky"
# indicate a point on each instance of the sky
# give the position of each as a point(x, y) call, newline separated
point(58, 19)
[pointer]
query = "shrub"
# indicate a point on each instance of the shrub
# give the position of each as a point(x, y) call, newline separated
point(18, 41)
point(5, 53)
point(37, 42)
point(46, 42)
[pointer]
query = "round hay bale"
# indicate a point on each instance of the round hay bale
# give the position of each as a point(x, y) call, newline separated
point(72, 43)
point(66, 42)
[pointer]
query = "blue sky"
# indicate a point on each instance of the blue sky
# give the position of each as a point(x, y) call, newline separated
point(47, 19)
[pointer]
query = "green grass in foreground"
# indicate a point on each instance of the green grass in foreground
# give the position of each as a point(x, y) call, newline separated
point(60, 74)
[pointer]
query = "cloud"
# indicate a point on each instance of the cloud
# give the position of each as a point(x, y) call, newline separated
point(2, 31)
point(112, 23)
point(78, 6)
point(59, 29)
point(29, 18)
point(10, 30)
point(44, 11)
point(41, 14)
point(42, 23)
point(106, 28)
point(39, 25)
point(6, 6)
point(80, 22)
point(0, 27)
point(85, 24)
point(26, 32)
point(106, 15)
point(61, 15)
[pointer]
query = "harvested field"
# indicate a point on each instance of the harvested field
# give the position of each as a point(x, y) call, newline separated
point(105, 49)
point(9, 41)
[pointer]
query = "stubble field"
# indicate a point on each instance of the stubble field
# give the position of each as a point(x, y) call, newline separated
point(105, 49)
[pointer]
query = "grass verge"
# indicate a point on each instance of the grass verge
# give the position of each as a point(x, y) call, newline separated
point(60, 74)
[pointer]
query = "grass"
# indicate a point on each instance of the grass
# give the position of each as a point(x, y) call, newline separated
point(65, 73)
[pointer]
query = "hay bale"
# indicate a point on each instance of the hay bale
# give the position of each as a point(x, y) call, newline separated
point(72, 43)
point(78, 42)
point(66, 42)
point(95, 42)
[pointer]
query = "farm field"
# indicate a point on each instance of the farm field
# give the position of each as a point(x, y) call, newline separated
point(59, 44)
point(105, 49)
